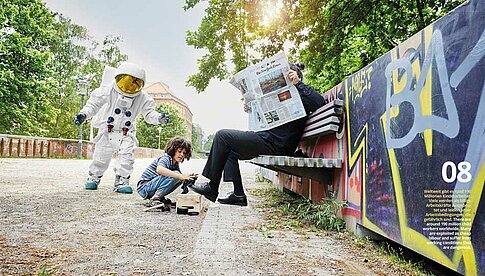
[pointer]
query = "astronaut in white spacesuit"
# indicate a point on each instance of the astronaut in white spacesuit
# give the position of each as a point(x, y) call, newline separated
point(114, 108)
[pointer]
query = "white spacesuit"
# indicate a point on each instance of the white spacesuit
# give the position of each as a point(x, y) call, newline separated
point(114, 108)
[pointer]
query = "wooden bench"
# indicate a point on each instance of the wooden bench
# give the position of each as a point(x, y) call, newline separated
point(326, 120)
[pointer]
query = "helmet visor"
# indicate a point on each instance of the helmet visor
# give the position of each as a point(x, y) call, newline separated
point(129, 84)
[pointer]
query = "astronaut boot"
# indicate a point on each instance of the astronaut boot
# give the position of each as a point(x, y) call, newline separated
point(122, 185)
point(92, 182)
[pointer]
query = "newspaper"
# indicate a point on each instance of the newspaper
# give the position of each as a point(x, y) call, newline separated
point(271, 97)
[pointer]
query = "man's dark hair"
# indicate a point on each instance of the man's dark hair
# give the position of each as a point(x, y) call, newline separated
point(176, 143)
point(298, 67)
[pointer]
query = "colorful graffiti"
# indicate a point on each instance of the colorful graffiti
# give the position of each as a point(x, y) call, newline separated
point(415, 122)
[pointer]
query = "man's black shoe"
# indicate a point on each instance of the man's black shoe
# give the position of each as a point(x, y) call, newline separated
point(233, 199)
point(205, 190)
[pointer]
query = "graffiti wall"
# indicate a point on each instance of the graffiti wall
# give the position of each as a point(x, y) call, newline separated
point(415, 141)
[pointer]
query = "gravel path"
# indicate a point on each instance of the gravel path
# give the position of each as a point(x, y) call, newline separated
point(50, 223)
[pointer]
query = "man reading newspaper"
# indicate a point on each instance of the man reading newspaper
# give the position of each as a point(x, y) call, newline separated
point(277, 102)
point(268, 92)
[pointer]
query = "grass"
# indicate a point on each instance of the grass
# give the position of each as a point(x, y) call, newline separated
point(298, 211)
point(294, 212)
point(265, 232)
point(404, 259)
point(45, 271)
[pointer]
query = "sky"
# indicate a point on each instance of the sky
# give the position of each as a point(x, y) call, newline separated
point(153, 34)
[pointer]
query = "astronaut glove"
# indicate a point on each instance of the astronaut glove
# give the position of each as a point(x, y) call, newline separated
point(163, 119)
point(79, 119)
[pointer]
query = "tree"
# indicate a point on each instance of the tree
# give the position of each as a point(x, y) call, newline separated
point(148, 135)
point(334, 38)
point(67, 61)
point(348, 35)
point(101, 55)
point(26, 86)
point(72, 61)
point(196, 137)
point(208, 143)
point(42, 56)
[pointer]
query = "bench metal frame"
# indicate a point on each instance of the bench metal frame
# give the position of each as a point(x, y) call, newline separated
point(325, 120)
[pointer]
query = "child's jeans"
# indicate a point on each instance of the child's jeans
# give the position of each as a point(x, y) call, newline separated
point(160, 186)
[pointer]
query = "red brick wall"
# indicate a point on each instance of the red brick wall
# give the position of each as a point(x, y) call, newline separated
point(27, 146)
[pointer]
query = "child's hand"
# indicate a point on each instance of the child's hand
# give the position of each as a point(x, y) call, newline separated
point(189, 181)
point(190, 176)
point(193, 176)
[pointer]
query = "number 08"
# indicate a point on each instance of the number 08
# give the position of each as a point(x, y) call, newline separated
point(463, 175)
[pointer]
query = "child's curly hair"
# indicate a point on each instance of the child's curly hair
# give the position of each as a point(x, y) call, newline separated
point(179, 142)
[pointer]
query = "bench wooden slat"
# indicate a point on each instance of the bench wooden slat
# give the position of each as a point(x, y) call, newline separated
point(321, 131)
point(326, 114)
point(333, 104)
point(330, 120)
point(288, 161)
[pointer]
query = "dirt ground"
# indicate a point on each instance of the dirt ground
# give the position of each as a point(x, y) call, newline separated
point(50, 225)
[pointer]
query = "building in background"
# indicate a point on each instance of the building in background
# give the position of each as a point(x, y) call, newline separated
point(161, 93)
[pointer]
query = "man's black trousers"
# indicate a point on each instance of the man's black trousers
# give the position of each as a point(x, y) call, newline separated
point(228, 147)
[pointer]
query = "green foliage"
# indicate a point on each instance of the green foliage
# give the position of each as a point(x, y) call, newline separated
point(398, 257)
point(334, 38)
point(323, 215)
point(148, 135)
point(208, 143)
point(219, 31)
point(67, 61)
point(26, 89)
point(42, 57)
point(101, 55)
point(45, 270)
point(265, 232)
point(196, 137)
point(293, 210)
point(351, 34)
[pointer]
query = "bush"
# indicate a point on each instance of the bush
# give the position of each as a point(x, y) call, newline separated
point(289, 206)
